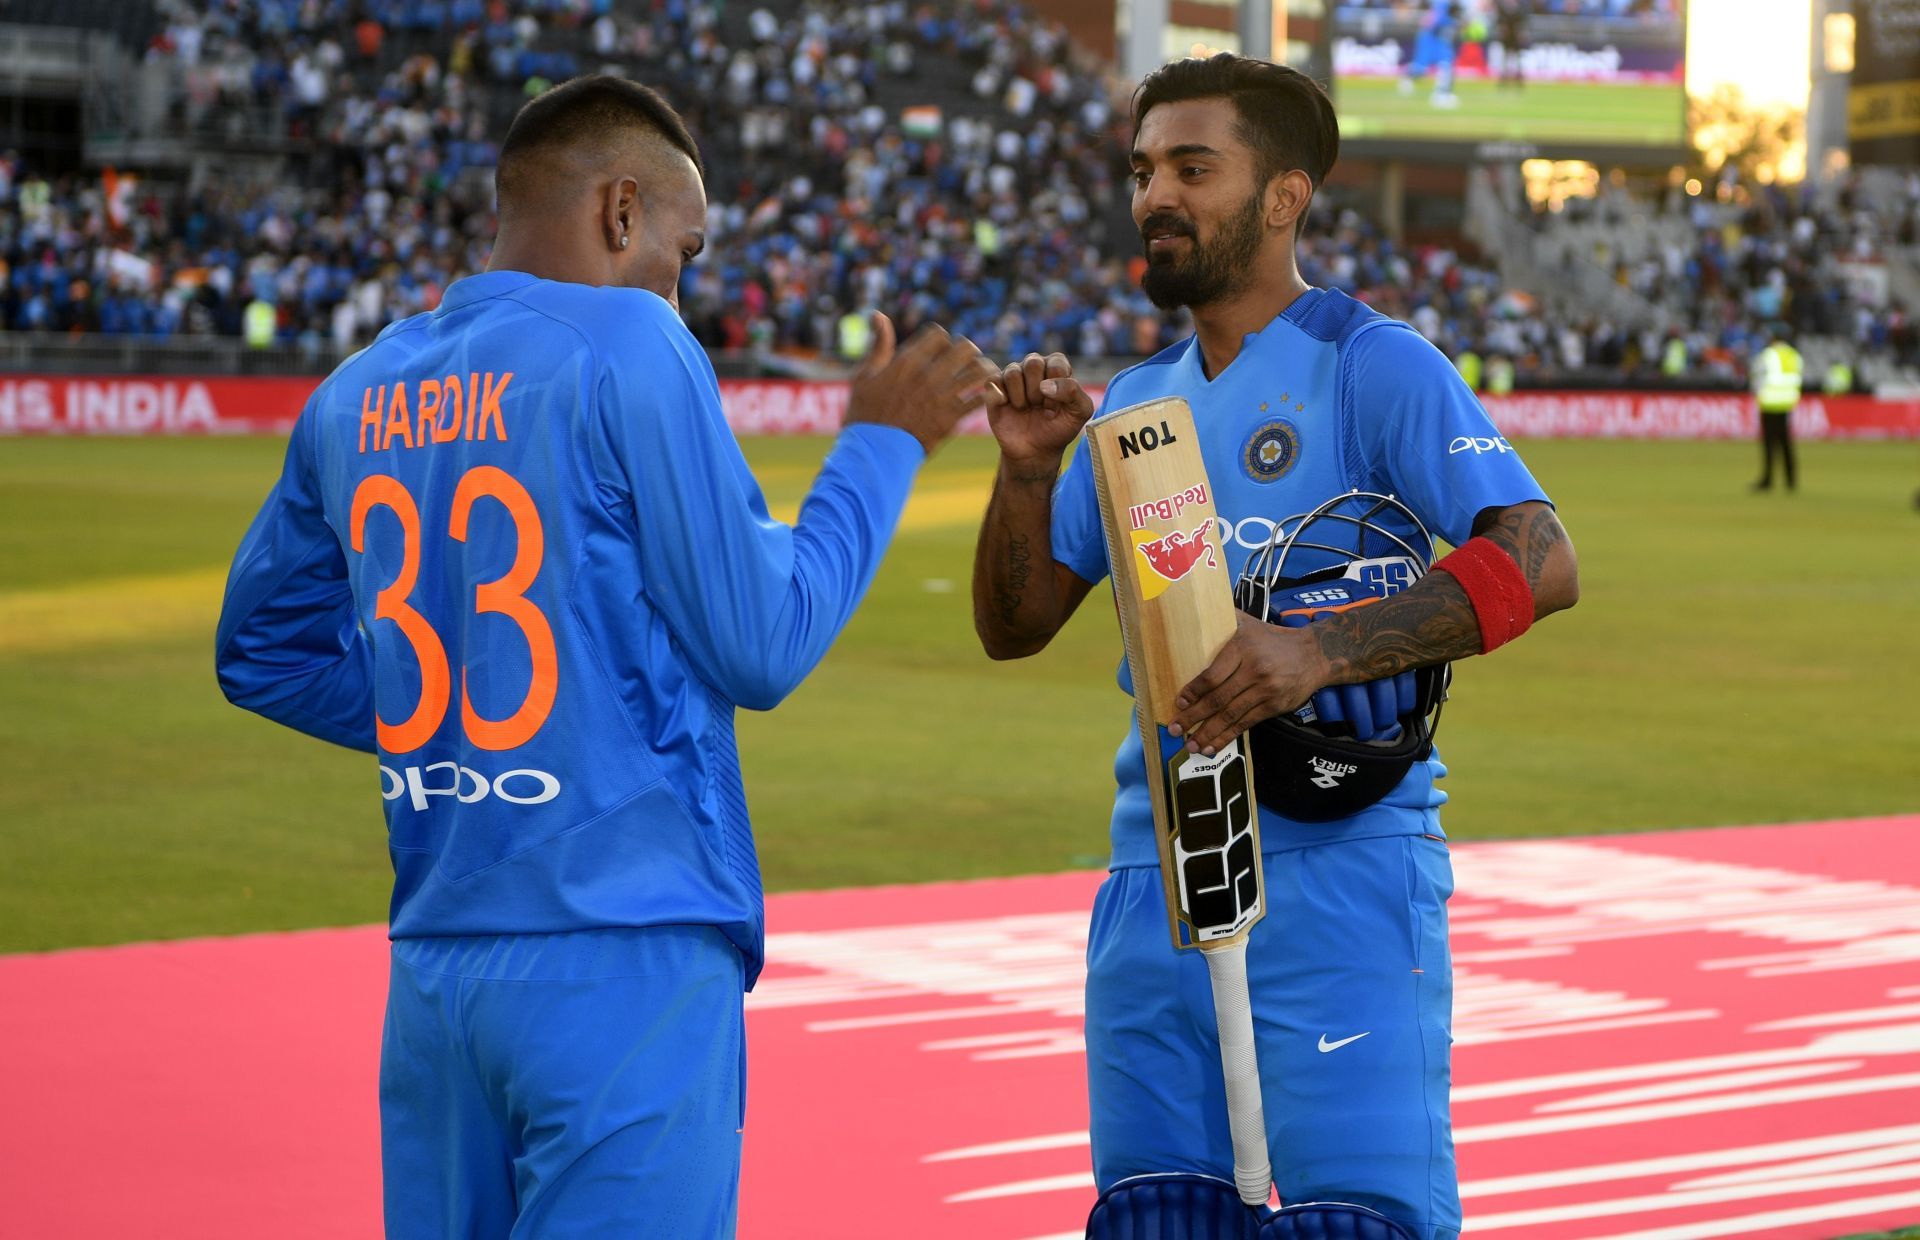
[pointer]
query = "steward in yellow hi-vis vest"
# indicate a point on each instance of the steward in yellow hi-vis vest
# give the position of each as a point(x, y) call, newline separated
point(1777, 375)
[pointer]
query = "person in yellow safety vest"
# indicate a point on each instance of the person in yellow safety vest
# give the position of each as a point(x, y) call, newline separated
point(1673, 356)
point(259, 322)
point(855, 335)
point(1470, 367)
point(1778, 374)
point(1839, 381)
point(1499, 375)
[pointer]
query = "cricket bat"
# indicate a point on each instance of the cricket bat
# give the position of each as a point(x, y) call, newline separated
point(1176, 611)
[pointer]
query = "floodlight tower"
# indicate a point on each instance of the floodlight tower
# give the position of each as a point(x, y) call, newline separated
point(1829, 73)
point(1146, 38)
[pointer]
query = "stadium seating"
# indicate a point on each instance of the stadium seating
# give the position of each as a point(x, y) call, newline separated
point(131, 22)
point(955, 162)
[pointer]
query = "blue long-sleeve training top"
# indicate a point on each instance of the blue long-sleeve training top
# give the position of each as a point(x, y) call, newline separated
point(516, 552)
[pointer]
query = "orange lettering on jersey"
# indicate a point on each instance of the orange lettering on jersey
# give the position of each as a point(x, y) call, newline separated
point(490, 405)
point(398, 423)
point(453, 400)
point(372, 409)
point(473, 399)
point(429, 411)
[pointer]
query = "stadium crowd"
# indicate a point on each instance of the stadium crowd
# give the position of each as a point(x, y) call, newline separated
point(1662, 9)
point(1778, 258)
point(823, 201)
point(1001, 214)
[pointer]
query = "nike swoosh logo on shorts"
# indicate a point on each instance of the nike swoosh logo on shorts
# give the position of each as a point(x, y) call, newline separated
point(1326, 1046)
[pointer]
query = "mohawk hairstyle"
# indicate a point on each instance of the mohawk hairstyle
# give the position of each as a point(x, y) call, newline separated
point(585, 110)
point(1285, 116)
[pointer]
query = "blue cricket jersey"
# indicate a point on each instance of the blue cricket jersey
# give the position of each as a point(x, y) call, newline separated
point(516, 551)
point(1329, 397)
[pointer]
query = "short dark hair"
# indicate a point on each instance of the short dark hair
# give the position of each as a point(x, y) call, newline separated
point(1285, 116)
point(598, 107)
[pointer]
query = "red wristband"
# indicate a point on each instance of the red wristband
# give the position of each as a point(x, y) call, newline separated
point(1496, 590)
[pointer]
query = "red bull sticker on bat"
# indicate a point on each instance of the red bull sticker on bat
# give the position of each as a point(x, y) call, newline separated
point(1166, 558)
point(1170, 508)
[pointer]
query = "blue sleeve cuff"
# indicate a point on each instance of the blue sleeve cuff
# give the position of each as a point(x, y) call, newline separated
point(889, 447)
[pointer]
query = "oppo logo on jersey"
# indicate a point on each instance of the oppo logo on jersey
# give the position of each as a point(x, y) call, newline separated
point(1249, 533)
point(516, 787)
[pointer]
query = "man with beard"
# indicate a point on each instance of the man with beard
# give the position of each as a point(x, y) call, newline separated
point(1300, 395)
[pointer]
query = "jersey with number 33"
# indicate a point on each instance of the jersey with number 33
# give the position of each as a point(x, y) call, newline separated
point(516, 551)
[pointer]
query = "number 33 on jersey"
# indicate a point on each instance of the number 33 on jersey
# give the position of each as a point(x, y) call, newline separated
point(506, 596)
point(446, 415)
point(515, 551)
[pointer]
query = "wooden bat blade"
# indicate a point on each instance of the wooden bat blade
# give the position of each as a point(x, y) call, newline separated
point(1176, 609)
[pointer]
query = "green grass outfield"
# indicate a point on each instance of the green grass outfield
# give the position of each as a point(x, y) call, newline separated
point(1624, 113)
point(1736, 659)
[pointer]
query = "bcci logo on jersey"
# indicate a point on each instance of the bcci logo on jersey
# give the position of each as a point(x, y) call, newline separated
point(1271, 451)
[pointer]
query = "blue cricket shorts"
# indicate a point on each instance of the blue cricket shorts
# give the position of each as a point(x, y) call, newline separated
point(1352, 991)
point(563, 1085)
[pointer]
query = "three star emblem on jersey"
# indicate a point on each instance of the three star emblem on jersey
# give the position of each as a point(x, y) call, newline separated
point(1271, 451)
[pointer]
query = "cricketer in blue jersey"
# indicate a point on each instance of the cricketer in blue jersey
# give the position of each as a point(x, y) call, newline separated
point(515, 552)
point(1436, 48)
point(1299, 395)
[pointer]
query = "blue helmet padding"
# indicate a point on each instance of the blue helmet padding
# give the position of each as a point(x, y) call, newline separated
point(1173, 1206)
point(1331, 1220)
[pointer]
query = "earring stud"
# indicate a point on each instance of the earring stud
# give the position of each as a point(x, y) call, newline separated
point(623, 242)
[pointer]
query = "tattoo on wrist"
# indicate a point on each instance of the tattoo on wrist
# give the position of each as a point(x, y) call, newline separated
point(1012, 589)
point(1029, 475)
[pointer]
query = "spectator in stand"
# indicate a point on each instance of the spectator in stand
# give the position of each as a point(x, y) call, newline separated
point(1839, 379)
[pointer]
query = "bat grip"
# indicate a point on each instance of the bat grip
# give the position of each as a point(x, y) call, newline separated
point(1233, 1011)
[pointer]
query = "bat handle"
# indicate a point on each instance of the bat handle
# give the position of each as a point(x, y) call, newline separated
point(1233, 1010)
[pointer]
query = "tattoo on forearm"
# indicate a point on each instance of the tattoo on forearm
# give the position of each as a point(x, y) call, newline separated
point(1434, 621)
point(1013, 587)
point(1013, 540)
point(1431, 623)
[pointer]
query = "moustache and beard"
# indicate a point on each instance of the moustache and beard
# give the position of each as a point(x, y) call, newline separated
point(1216, 269)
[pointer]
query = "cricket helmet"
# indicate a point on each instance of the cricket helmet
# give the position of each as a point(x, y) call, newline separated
point(1351, 551)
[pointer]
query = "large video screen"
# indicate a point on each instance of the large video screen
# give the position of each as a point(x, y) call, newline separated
point(1883, 99)
point(1556, 74)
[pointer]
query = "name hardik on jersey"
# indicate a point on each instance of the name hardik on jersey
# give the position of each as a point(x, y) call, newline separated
point(518, 531)
point(1329, 397)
